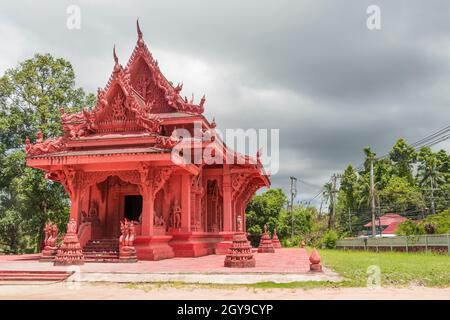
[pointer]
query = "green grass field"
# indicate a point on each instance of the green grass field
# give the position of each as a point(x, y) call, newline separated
point(397, 268)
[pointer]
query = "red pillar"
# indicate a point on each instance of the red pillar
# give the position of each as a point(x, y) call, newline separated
point(186, 203)
point(147, 215)
point(227, 214)
point(75, 202)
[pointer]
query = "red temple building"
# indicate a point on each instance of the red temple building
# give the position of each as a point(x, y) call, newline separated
point(116, 162)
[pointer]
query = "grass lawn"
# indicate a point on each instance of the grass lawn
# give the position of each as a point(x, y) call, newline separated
point(397, 268)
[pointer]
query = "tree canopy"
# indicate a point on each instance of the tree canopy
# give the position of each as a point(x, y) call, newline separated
point(30, 98)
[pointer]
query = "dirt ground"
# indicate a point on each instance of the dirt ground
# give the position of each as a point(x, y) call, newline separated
point(191, 292)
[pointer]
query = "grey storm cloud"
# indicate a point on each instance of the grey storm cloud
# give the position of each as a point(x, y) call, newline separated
point(309, 68)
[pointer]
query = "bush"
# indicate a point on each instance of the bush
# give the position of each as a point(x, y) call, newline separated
point(329, 239)
point(437, 223)
point(289, 243)
point(409, 228)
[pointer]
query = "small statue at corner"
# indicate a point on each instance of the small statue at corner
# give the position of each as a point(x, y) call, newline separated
point(127, 252)
point(50, 242)
point(176, 216)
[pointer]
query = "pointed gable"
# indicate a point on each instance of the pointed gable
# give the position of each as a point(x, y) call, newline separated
point(132, 98)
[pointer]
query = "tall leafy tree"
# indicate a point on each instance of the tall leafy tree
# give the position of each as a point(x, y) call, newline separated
point(265, 209)
point(403, 157)
point(432, 176)
point(349, 182)
point(30, 97)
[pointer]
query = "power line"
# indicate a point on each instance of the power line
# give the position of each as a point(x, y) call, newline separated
point(431, 136)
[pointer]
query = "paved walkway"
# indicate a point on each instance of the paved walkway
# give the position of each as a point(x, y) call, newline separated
point(105, 291)
point(285, 265)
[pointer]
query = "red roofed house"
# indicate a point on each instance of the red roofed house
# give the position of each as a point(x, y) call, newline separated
point(389, 223)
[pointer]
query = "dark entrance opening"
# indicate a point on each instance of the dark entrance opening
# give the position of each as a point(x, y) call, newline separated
point(133, 208)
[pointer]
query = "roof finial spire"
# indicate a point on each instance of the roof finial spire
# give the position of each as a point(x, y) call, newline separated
point(116, 60)
point(139, 32)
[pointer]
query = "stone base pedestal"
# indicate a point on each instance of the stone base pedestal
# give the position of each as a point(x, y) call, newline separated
point(48, 254)
point(276, 242)
point(265, 244)
point(315, 267)
point(194, 244)
point(240, 254)
point(153, 248)
point(127, 254)
point(69, 253)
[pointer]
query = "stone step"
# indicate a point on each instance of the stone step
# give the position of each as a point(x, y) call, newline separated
point(101, 255)
point(104, 241)
point(101, 247)
point(91, 260)
point(13, 275)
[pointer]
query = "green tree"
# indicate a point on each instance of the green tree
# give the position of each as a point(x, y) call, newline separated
point(349, 182)
point(304, 220)
point(400, 195)
point(265, 209)
point(408, 228)
point(403, 157)
point(30, 97)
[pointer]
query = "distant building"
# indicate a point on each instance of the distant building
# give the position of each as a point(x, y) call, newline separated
point(389, 224)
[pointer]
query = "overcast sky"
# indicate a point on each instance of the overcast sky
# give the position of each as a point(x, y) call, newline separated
point(309, 68)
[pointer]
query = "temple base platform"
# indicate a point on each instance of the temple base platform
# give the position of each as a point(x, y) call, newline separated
point(194, 244)
point(226, 243)
point(153, 248)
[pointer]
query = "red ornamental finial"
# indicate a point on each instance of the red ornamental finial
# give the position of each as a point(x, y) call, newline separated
point(258, 154)
point(139, 32)
point(314, 260)
point(213, 123)
point(202, 101)
point(116, 59)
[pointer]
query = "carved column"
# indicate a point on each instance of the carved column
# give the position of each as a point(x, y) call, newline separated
point(71, 181)
point(147, 214)
point(227, 214)
point(151, 181)
point(146, 190)
point(186, 184)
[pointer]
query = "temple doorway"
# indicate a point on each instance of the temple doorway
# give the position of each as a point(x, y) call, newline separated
point(132, 208)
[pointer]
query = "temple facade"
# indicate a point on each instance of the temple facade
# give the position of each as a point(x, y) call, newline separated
point(123, 160)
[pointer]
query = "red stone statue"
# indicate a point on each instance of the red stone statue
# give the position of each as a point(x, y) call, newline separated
point(127, 251)
point(275, 241)
point(240, 253)
point(70, 253)
point(265, 244)
point(175, 216)
point(50, 239)
point(314, 260)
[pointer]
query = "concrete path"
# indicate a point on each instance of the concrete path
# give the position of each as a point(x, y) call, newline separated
point(106, 291)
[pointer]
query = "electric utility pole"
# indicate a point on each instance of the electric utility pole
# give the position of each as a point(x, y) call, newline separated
point(433, 206)
point(350, 220)
point(291, 206)
point(334, 190)
point(372, 198)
